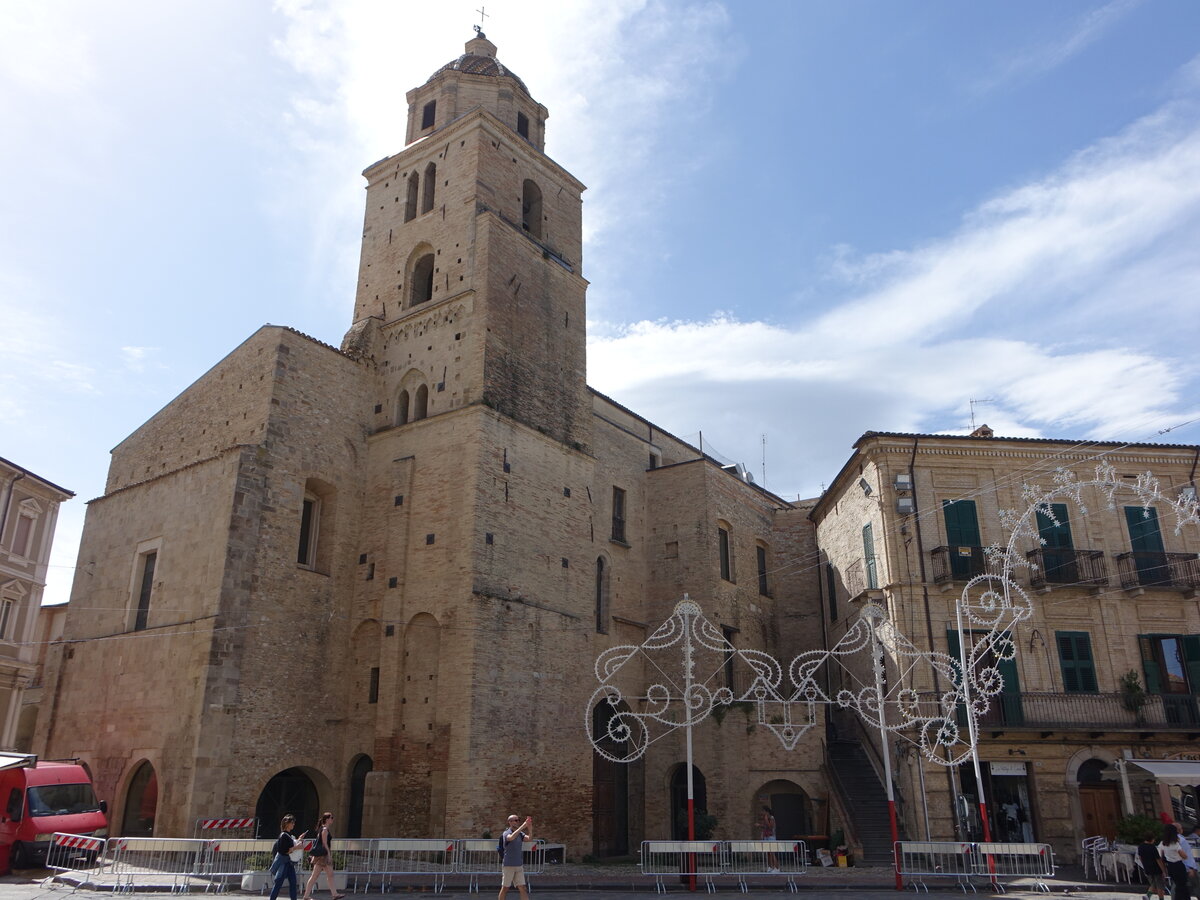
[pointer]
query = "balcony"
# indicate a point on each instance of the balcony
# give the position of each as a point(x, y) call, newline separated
point(861, 577)
point(1169, 571)
point(1091, 712)
point(1067, 567)
point(957, 563)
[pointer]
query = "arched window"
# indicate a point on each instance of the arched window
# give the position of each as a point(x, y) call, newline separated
point(531, 209)
point(430, 183)
point(402, 409)
point(410, 204)
point(421, 403)
point(601, 596)
point(422, 280)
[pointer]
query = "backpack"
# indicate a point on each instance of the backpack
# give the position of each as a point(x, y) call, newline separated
point(500, 846)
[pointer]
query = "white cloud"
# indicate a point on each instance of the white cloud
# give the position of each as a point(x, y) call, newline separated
point(1037, 301)
point(1045, 56)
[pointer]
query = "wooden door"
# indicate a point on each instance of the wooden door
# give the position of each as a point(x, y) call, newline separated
point(1101, 808)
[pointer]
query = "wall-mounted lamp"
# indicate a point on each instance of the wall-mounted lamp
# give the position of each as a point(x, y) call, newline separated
point(1015, 751)
point(866, 487)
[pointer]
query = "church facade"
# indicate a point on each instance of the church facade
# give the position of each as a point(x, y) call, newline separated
point(374, 578)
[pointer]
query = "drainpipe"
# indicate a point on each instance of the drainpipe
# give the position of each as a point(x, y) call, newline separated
point(937, 682)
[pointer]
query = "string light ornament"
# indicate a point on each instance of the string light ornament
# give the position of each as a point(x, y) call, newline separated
point(990, 608)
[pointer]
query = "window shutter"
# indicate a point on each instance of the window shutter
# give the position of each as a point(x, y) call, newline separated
point(1075, 661)
point(1191, 659)
point(1150, 664)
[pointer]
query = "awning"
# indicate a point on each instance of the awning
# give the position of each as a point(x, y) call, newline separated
point(1171, 771)
point(17, 760)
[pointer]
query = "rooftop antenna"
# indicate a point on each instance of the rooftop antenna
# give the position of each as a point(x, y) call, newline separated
point(482, 15)
point(764, 460)
point(973, 402)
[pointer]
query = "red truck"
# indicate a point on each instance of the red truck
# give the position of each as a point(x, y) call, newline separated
point(38, 798)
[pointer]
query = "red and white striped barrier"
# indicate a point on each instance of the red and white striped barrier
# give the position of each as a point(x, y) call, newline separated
point(78, 842)
point(209, 824)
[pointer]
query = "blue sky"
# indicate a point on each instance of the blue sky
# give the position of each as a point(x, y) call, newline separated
point(803, 220)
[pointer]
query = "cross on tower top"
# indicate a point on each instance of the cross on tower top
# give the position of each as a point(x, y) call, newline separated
point(482, 15)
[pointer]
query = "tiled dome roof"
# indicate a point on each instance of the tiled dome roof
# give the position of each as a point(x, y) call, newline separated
point(475, 64)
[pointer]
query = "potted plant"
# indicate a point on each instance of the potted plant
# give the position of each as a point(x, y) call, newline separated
point(1133, 695)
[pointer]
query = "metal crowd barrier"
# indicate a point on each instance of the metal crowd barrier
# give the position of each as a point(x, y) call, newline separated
point(226, 861)
point(396, 857)
point(918, 860)
point(76, 853)
point(226, 827)
point(356, 858)
point(785, 859)
point(997, 860)
point(668, 859)
point(172, 864)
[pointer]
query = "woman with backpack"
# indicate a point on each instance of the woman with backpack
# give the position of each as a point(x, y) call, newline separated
point(284, 864)
point(322, 860)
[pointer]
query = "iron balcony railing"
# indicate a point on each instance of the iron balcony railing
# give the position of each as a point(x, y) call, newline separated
point(861, 576)
point(1074, 567)
point(1079, 711)
point(957, 563)
point(1173, 571)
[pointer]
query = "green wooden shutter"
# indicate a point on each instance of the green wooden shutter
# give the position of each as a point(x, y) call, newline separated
point(960, 711)
point(869, 556)
point(1144, 534)
point(1057, 537)
point(1191, 659)
point(1150, 664)
point(962, 525)
point(1075, 661)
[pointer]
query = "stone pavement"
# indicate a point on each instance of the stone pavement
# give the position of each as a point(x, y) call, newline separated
point(572, 882)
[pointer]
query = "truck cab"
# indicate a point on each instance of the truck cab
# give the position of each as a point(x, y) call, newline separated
point(39, 798)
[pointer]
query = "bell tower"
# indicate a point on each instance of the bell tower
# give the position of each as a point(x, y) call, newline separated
point(469, 288)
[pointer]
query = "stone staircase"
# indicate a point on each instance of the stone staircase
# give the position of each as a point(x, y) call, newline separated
point(863, 796)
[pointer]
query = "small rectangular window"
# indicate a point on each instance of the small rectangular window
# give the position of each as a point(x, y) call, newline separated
point(618, 514)
point(523, 125)
point(729, 653)
point(373, 687)
point(20, 544)
point(428, 114)
point(307, 520)
point(723, 551)
point(144, 591)
point(7, 608)
point(762, 571)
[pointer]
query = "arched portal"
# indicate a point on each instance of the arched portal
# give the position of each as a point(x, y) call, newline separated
point(679, 816)
point(1099, 801)
point(141, 803)
point(788, 804)
point(610, 787)
point(289, 791)
point(358, 791)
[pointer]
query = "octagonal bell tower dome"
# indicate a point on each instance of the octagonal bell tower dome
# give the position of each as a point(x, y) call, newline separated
point(475, 79)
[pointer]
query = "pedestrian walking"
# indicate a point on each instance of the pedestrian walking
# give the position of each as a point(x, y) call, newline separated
point(512, 870)
point(283, 866)
point(322, 859)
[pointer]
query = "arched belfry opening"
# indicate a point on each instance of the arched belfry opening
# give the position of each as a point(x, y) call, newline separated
point(531, 208)
point(430, 187)
point(421, 282)
point(410, 203)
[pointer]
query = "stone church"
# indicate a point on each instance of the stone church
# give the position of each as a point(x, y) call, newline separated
point(375, 578)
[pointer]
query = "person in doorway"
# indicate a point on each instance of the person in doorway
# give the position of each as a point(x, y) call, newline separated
point(766, 828)
point(322, 859)
point(283, 866)
point(1174, 851)
point(512, 869)
point(1153, 866)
